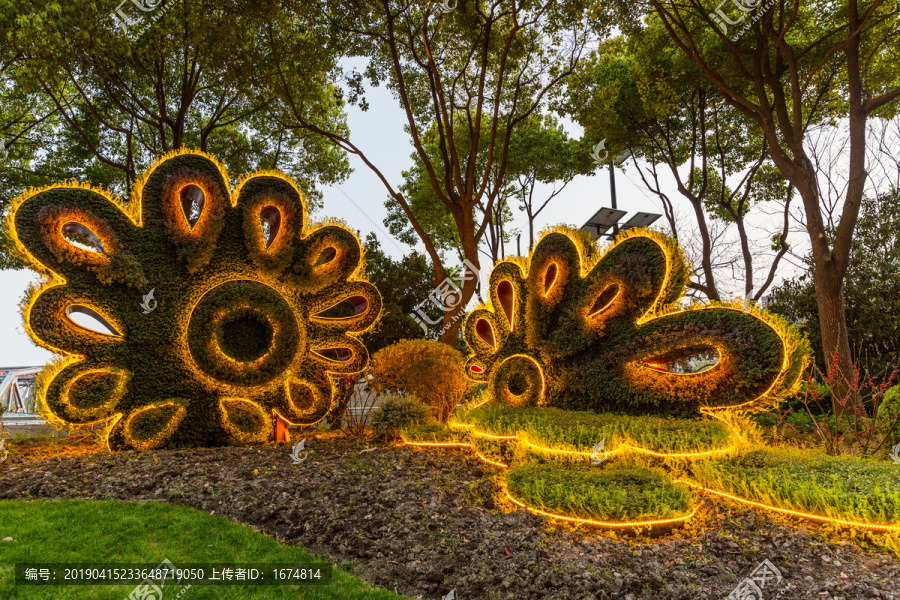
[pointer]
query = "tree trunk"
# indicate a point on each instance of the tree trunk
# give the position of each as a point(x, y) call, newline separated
point(453, 318)
point(706, 261)
point(829, 288)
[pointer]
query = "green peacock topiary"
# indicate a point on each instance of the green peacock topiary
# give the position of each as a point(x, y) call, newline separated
point(577, 328)
point(225, 310)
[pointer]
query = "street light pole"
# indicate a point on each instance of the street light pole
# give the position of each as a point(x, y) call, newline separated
point(612, 189)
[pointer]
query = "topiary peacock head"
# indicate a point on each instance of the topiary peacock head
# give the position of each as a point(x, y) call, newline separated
point(577, 328)
point(220, 310)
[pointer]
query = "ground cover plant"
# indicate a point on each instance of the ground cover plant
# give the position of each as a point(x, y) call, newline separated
point(620, 493)
point(842, 487)
point(580, 431)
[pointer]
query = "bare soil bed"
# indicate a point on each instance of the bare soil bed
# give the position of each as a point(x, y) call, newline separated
point(425, 521)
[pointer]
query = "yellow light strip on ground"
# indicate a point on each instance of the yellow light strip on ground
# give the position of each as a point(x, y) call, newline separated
point(787, 511)
point(457, 445)
point(439, 444)
point(606, 524)
point(573, 452)
point(623, 447)
point(495, 437)
point(485, 459)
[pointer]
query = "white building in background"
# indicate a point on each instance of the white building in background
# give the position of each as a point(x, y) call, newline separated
point(17, 390)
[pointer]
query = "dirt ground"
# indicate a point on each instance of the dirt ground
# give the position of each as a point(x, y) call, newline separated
point(425, 521)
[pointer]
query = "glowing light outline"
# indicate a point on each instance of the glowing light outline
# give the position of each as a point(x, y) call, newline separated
point(656, 309)
point(604, 524)
point(522, 436)
point(805, 515)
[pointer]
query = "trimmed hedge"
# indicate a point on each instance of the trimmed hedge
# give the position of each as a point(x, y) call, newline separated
point(581, 431)
point(843, 487)
point(432, 433)
point(431, 371)
point(236, 330)
point(587, 331)
point(617, 493)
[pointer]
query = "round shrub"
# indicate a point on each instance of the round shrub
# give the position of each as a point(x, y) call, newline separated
point(396, 411)
point(431, 371)
point(889, 416)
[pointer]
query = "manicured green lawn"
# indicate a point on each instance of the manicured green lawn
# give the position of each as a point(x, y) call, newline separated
point(123, 532)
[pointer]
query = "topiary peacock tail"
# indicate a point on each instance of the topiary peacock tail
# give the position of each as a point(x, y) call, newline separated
point(578, 329)
point(222, 309)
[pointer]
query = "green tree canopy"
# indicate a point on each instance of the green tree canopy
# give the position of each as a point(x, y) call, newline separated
point(404, 283)
point(184, 74)
point(656, 105)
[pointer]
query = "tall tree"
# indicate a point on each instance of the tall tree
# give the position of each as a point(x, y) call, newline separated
point(788, 66)
point(489, 64)
point(27, 121)
point(657, 105)
point(543, 153)
point(871, 290)
point(181, 75)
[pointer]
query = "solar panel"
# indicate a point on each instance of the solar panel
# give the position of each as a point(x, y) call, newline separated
point(602, 221)
point(641, 219)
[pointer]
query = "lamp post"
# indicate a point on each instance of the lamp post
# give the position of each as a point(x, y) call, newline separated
point(608, 218)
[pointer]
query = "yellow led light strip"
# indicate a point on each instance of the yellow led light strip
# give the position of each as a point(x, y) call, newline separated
point(490, 462)
point(457, 445)
point(787, 511)
point(586, 454)
point(606, 524)
point(439, 444)
point(623, 447)
point(495, 437)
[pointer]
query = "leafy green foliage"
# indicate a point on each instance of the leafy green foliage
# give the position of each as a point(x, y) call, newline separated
point(615, 493)
point(82, 100)
point(430, 433)
point(429, 370)
point(887, 420)
point(406, 283)
point(657, 105)
point(130, 532)
point(598, 328)
point(231, 337)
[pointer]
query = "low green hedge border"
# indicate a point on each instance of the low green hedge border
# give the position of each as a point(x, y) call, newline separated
point(582, 430)
point(840, 487)
point(620, 493)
